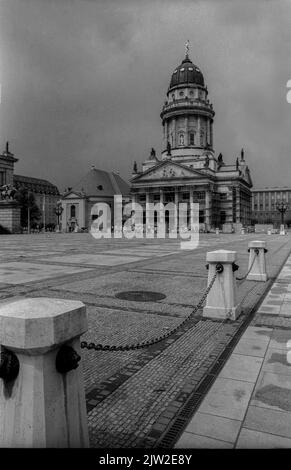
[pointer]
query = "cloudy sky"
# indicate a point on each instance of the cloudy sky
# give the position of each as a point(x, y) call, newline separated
point(83, 81)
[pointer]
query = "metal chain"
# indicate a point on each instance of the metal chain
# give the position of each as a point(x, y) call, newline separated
point(244, 277)
point(145, 344)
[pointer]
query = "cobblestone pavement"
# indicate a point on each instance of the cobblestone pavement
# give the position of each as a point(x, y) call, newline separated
point(141, 398)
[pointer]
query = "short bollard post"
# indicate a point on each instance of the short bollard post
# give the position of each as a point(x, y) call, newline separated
point(222, 299)
point(243, 231)
point(257, 261)
point(42, 402)
point(282, 229)
point(217, 231)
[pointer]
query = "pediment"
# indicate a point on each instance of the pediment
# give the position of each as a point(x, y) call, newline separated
point(74, 195)
point(168, 170)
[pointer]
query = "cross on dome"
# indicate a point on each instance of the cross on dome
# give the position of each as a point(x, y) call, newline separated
point(187, 47)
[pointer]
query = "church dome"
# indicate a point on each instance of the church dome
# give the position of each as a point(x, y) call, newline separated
point(186, 73)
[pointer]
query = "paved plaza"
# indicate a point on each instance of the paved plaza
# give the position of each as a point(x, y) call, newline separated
point(148, 397)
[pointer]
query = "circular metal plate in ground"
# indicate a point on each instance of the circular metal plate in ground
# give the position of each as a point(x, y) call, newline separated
point(140, 296)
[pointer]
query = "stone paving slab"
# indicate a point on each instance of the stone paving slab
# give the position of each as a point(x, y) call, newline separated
point(17, 272)
point(249, 439)
point(262, 412)
point(215, 427)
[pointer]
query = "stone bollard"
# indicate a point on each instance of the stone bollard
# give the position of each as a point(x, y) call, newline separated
point(43, 405)
point(243, 231)
point(222, 298)
point(282, 229)
point(217, 231)
point(269, 232)
point(257, 250)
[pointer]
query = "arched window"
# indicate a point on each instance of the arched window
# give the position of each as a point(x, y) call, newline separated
point(73, 211)
point(191, 138)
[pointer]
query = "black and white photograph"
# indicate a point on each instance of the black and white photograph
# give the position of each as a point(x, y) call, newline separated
point(145, 228)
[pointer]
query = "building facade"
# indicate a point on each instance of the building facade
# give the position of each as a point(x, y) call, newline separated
point(45, 193)
point(264, 202)
point(97, 186)
point(188, 169)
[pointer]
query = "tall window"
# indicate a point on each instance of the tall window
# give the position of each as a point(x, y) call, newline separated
point(191, 138)
point(2, 178)
point(73, 211)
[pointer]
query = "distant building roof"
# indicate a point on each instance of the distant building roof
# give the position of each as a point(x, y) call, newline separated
point(101, 183)
point(276, 188)
point(35, 185)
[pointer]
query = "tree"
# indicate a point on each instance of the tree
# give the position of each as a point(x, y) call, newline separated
point(27, 202)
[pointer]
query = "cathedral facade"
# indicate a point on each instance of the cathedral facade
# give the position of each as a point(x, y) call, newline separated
point(188, 169)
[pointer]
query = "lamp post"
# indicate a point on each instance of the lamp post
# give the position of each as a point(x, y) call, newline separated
point(282, 207)
point(58, 211)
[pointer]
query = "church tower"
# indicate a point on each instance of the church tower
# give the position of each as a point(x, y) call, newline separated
point(187, 116)
point(187, 170)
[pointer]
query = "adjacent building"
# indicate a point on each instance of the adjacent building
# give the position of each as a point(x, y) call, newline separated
point(96, 186)
point(264, 202)
point(46, 194)
point(188, 169)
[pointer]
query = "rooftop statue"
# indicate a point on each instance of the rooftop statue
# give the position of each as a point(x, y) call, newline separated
point(152, 154)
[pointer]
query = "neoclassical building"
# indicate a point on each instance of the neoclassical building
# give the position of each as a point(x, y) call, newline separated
point(188, 169)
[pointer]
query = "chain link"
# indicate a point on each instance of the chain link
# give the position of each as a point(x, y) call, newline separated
point(244, 277)
point(145, 344)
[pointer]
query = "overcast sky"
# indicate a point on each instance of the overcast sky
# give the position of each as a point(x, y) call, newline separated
point(84, 81)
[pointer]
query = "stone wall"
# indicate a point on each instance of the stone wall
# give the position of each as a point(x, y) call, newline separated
point(10, 216)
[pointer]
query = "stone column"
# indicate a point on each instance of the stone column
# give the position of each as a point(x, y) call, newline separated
point(198, 130)
point(133, 201)
point(211, 134)
point(238, 214)
point(176, 197)
point(191, 194)
point(161, 195)
point(166, 135)
point(207, 209)
point(147, 197)
point(44, 404)
point(186, 131)
point(208, 132)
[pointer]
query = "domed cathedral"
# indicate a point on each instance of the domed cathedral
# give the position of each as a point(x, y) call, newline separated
point(188, 169)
